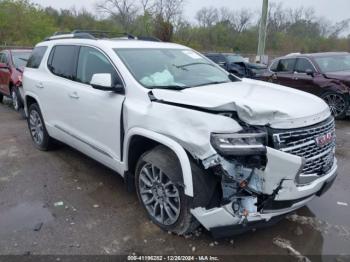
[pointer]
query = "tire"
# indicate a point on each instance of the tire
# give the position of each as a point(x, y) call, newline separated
point(1, 98)
point(37, 129)
point(16, 101)
point(158, 181)
point(337, 103)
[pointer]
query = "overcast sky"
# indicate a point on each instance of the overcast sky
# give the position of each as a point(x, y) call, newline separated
point(334, 10)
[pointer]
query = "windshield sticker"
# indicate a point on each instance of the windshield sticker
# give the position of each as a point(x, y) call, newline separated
point(191, 54)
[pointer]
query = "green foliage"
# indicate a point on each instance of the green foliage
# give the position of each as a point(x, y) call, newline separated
point(24, 23)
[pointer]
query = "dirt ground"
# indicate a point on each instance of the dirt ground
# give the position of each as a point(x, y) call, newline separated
point(62, 202)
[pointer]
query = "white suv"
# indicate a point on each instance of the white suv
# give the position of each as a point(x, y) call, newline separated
point(198, 144)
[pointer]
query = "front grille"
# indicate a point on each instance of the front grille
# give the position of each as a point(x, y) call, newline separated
point(302, 142)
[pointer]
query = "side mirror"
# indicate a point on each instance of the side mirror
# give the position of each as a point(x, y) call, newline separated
point(104, 82)
point(309, 72)
point(4, 66)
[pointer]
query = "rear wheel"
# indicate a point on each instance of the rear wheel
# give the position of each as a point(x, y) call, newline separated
point(16, 102)
point(337, 103)
point(159, 191)
point(37, 129)
point(1, 98)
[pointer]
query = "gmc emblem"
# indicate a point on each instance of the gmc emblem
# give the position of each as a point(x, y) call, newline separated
point(324, 139)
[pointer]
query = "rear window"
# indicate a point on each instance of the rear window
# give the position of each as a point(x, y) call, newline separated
point(62, 61)
point(36, 57)
point(286, 65)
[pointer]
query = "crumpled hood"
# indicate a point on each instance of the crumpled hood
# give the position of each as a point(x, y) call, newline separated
point(256, 102)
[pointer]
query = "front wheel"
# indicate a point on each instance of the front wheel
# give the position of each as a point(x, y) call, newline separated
point(1, 98)
point(157, 180)
point(338, 104)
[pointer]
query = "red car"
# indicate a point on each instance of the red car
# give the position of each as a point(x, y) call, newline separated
point(12, 63)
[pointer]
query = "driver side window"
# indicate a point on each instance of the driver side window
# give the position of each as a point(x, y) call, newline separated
point(90, 62)
point(302, 65)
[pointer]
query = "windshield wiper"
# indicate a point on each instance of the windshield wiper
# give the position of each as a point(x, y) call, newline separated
point(196, 63)
point(212, 83)
point(169, 87)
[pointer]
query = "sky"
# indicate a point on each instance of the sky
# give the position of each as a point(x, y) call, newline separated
point(333, 10)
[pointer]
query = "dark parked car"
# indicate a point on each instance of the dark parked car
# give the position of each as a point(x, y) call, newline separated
point(12, 63)
point(326, 75)
point(237, 65)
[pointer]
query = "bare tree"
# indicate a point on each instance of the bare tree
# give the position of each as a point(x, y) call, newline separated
point(169, 10)
point(339, 28)
point(124, 11)
point(147, 6)
point(242, 20)
point(207, 16)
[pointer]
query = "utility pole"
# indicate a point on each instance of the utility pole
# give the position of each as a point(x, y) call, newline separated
point(262, 31)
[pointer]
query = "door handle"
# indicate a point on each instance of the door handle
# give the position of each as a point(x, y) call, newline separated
point(74, 95)
point(39, 85)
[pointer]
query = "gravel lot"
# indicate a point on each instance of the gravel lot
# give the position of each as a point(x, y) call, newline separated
point(62, 202)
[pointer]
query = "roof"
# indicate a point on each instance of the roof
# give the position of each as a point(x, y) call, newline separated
point(323, 54)
point(114, 43)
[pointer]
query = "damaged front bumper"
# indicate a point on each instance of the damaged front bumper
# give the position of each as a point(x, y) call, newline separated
point(277, 184)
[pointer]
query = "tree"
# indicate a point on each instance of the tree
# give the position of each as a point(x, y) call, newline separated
point(123, 11)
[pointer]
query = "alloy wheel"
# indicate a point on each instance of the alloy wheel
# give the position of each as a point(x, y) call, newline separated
point(336, 104)
point(159, 195)
point(15, 103)
point(36, 127)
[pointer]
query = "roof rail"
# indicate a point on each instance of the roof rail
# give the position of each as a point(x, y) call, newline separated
point(96, 34)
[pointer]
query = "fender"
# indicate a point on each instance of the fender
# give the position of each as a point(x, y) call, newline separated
point(166, 141)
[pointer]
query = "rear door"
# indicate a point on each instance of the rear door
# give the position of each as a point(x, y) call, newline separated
point(5, 74)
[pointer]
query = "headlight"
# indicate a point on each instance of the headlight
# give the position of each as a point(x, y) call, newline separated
point(240, 144)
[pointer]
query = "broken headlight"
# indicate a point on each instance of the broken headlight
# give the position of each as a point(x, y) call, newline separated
point(244, 143)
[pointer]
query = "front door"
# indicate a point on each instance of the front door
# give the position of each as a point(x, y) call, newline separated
point(94, 115)
point(303, 81)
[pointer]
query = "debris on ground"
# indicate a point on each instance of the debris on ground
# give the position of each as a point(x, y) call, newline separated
point(96, 206)
point(211, 244)
point(38, 226)
point(193, 249)
point(58, 204)
point(78, 188)
point(321, 226)
point(342, 204)
point(232, 242)
point(298, 231)
point(286, 244)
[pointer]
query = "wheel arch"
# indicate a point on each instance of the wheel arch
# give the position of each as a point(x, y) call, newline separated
point(28, 100)
point(139, 140)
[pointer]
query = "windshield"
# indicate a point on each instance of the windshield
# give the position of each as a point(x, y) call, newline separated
point(333, 63)
point(235, 58)
point(171, 68)
point(20, 58)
